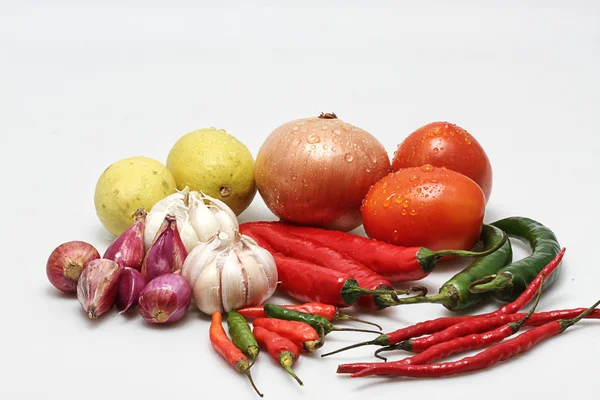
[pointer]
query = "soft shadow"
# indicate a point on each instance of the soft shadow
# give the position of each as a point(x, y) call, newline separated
point(57, 294)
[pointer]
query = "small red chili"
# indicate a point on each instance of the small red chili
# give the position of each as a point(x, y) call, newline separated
point(439, 324)
point(280, 348)
point(225, 347)
point(485, 359)
point(301, 334)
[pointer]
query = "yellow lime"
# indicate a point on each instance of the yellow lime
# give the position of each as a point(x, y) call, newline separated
point(214, 162)
point(129, 184)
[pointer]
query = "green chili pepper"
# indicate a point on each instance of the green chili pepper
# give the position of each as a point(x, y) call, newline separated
point(454, 294)
point(319, 323)
point(509, 282)
point(241, 335)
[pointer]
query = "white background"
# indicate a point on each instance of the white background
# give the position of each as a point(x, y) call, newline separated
point(84, 85)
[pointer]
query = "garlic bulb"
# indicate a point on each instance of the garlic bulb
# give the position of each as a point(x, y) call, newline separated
point(199, 218)
point(228, 273)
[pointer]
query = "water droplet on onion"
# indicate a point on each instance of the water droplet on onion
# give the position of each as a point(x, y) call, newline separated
point(312, 139)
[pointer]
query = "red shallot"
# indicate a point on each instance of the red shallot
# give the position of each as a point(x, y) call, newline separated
point(97, 286)
point(66, 263)
point(128, 249)
point(165, 299)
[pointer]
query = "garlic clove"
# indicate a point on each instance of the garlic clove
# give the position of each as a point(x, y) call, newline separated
point(128, 249)
point(234, 282)
point(165, 299)
point(207, 290)
point(257, 281)
point(176, 203)
point(97, 286)
point(227, 219)
point(131, 284)
point(266, 261)
point(197, 260)
point(202, 219)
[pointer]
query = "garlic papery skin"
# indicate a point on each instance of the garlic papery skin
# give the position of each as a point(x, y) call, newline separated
point(97, 286)
point(228, 273)
point(199, 218)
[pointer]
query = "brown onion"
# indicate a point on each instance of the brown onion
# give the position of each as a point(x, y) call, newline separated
point(316, 171)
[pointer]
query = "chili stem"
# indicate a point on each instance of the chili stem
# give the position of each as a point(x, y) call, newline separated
point(515, 326)
point(466, 253)
point(345, 317)
point(490, 283)
point(247, 373)
point(381, 340)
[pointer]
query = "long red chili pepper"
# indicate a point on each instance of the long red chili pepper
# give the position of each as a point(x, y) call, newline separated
point(485, 359)
point(307, 282)
point(225, 347)
point(302, 335)
point(395, 263)
point(439, 324)
point(310, 250)
point(331, 312)
point(281, 349)
point(528, 294)
point(457, 345)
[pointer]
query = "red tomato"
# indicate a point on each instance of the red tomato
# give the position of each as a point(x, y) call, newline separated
point(425, 206)
point(443, 144)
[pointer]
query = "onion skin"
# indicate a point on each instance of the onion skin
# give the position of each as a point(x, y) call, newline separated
point(316, 171)
point(66, 263)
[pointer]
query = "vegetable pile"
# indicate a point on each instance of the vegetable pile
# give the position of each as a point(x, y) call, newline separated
point(322, 177)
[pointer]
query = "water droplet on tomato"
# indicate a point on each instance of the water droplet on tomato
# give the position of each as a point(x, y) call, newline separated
point(294, 177)
point(295, 128)
point(406, 203)
point(324, 127)
point(427, 168)
point(336, 132)
point(408, 191)
point(348, 157)
point(296, 142)
point(441, 149)
point(413, 178)
point(313, 147)
point(388, 200)
point(312, 139)
point(384, 185)
point(413, 212)
point(396, 235)
point(418, 190)
point(373, 158)
point(399, 199)
point(435, 150)
point(404, 211)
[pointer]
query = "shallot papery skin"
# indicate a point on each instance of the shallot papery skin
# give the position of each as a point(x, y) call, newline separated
point(97, 287)
point(165, 299)
point(167, 252)
point(131, 284)
point(128, 249)
point(67, 261)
